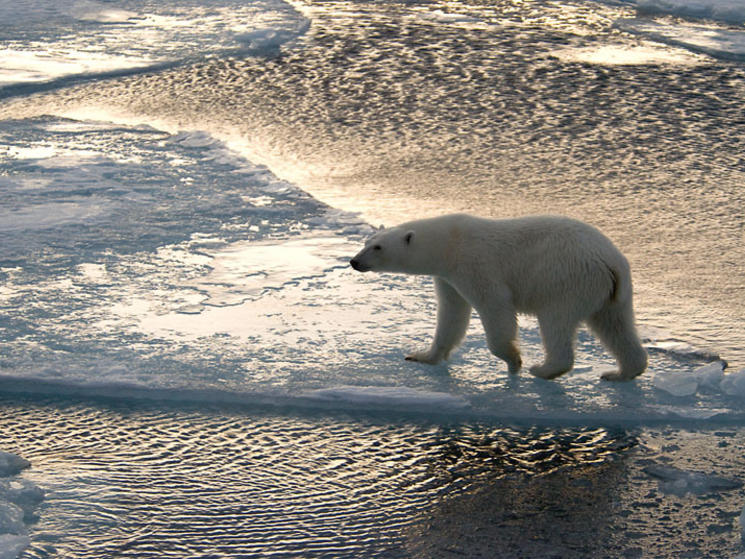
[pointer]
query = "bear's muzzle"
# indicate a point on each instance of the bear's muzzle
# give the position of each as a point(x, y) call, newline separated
point(358, 266)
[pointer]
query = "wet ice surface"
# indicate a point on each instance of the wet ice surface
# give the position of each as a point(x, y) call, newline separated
point(167, 266)
point(730, 11)
point(708, 39)
point(680, 482)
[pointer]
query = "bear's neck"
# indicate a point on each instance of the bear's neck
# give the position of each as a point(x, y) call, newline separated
point(439, 255)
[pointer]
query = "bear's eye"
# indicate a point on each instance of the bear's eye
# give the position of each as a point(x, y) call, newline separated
point(377, 247)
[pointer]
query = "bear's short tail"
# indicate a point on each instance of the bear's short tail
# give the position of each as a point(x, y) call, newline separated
point(613, 324)
point(616, 281)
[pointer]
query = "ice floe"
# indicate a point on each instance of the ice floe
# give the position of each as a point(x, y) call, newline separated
point(681, 383)
point(18, 499)
point(11, 464)
point(11, 545)
point(163, 36)
point(733, 384)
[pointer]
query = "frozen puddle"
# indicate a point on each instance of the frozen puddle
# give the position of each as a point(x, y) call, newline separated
point(246, 271)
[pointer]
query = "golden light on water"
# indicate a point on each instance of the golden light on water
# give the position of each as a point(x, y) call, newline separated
point(615, 55)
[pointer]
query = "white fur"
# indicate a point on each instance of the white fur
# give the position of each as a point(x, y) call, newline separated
point(559, 269)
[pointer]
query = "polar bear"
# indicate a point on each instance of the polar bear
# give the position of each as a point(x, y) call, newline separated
point(559, 269)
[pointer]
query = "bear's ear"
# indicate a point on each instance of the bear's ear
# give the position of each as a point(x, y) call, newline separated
point(408, 237)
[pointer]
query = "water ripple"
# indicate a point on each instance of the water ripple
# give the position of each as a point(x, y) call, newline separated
point(148, 482)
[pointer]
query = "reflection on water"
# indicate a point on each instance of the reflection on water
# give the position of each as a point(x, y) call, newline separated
point(153, 480)
point(571, 514)
point(612, 55)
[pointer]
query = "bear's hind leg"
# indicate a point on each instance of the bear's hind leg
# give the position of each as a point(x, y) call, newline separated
point(453, 314)
point(614, 326)
point(557, 332)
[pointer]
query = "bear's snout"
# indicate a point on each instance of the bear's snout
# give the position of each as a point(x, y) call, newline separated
point(357, 266)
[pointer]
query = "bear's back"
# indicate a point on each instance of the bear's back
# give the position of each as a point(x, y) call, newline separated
point(543, 260)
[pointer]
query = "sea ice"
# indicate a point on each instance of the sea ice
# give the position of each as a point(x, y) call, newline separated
point(11, 519)
point(680, 383)
point(18, 498)
point(11, 464)
point(680, 482)
point(714, 41)
point(11, 546)
point(98, 12)
point(21, 492)
point(733, 384)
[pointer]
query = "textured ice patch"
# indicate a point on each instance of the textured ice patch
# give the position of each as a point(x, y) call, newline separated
point(681, 383)
point(27, 66)
point(22, 493)
point(11, 519)
point(679, 482)
point(89, 10)
point(48, 41)
point(18, 499)
point(50, 215)
point(268, 40)
point(680, 349)
point(244, 270)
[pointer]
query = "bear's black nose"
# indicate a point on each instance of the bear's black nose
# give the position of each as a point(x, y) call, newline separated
point(355, 264)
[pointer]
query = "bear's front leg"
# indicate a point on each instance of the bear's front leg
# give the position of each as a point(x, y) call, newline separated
point(429, 357)
point(453, 314)
point(500, 326)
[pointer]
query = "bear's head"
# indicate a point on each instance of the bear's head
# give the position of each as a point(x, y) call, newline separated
point(389, 250)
